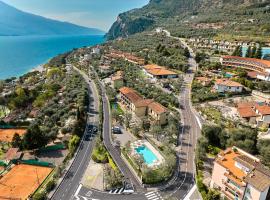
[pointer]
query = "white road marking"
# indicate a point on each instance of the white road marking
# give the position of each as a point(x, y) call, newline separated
point(149, 193)
point(78, 190)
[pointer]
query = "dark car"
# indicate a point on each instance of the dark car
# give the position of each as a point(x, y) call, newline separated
point(116, 130)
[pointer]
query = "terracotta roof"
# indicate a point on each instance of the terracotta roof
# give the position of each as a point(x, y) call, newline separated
point(261, 61)
point(252, 74)
point(157, 70)
point(246, 104)
point(160, 72)
point(246, 112)
point(152, 66)
point(13, 153)
point(258, 175)
point(263, 109)
point(228, 83)
point(157, 108)
point(202, 78)
point(143, 103)
point(131, 94)
point(227, 160)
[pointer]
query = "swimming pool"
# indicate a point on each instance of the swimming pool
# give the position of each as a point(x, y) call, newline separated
point(148, 156)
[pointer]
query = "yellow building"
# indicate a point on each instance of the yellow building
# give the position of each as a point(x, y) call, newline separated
point(136, 104)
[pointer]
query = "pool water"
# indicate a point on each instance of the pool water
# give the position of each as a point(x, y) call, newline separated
point(148, 156)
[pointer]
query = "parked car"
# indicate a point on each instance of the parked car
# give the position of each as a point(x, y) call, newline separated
point(116, 130)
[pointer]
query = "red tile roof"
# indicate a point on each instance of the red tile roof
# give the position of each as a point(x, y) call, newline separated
point(157, 108)
point(264, 109)
point(261, 61)
point(228, 83)
point(157, 70)
point(131, 94)
point(143, 103)
point(246, 112)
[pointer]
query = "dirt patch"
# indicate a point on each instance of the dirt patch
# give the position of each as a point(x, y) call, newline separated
point(6, 135)
point(93, 177)
point(22, 180)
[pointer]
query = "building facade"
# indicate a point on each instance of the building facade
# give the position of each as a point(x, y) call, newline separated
point(262, 67)
point(226, 85)
point(143, 107)
point(239, 175)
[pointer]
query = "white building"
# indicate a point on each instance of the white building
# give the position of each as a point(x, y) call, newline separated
point(226, 85)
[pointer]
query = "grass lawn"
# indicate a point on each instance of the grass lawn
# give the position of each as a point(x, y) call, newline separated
point(3, 150)
point(115, 106)
point(4, 111)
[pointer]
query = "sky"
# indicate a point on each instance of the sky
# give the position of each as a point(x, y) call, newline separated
point(91, 13)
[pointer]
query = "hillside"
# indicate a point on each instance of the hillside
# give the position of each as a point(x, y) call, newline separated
point(14, 22)
point(187, 18)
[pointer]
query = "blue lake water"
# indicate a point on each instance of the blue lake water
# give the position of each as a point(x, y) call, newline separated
point(148, 156)
point(20, 54)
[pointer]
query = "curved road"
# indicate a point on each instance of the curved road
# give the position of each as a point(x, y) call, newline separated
point(183, 179)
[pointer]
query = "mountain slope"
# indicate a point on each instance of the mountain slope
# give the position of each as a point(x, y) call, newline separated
point(16, 22)
point(192, 17)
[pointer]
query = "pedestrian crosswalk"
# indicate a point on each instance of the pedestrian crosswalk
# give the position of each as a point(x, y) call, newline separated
point(153, 196)
point(117, 191)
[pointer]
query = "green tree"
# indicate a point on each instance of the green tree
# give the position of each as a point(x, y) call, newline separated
point(212, 134)
point(264, 150)
point(16, 141)
point(128, 117)
point(212, 195)
point(72, 144)
point(156, 131)
point(186, 52)
point(237, 51)
point(253, 52)
point(50, 185)
point(34, 138)
point(249, 52)
point(259, 53)
point(244, 138)
point(40, 196)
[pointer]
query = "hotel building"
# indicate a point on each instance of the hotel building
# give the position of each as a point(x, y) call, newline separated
point(239, 175)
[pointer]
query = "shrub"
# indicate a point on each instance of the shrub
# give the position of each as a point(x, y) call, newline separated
point(50, 185)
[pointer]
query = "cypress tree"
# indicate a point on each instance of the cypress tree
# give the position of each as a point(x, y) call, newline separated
point(253, 52)
point(236, 51)
point(249, 52)
point(259, 53)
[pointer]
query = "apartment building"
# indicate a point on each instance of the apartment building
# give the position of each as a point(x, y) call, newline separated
point(158, 112)
point(143, 107)
point(226, 85)
point(252, 64)
point(239, 175)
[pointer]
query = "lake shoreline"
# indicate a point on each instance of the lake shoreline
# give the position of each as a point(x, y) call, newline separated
point(21, 55)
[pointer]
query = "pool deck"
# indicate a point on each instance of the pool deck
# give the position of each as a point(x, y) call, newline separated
point(160, 158)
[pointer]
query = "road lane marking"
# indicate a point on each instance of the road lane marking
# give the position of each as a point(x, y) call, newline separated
point(89, 193)
point(78, 190)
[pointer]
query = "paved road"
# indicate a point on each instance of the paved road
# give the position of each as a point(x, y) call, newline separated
point(71, 180)
point(115, 153)
point(183, 180)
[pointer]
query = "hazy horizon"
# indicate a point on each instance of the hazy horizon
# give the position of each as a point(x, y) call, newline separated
point(90, 13)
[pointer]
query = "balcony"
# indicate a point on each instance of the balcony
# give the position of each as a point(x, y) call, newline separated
point(233, 188)
point(228, 195)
